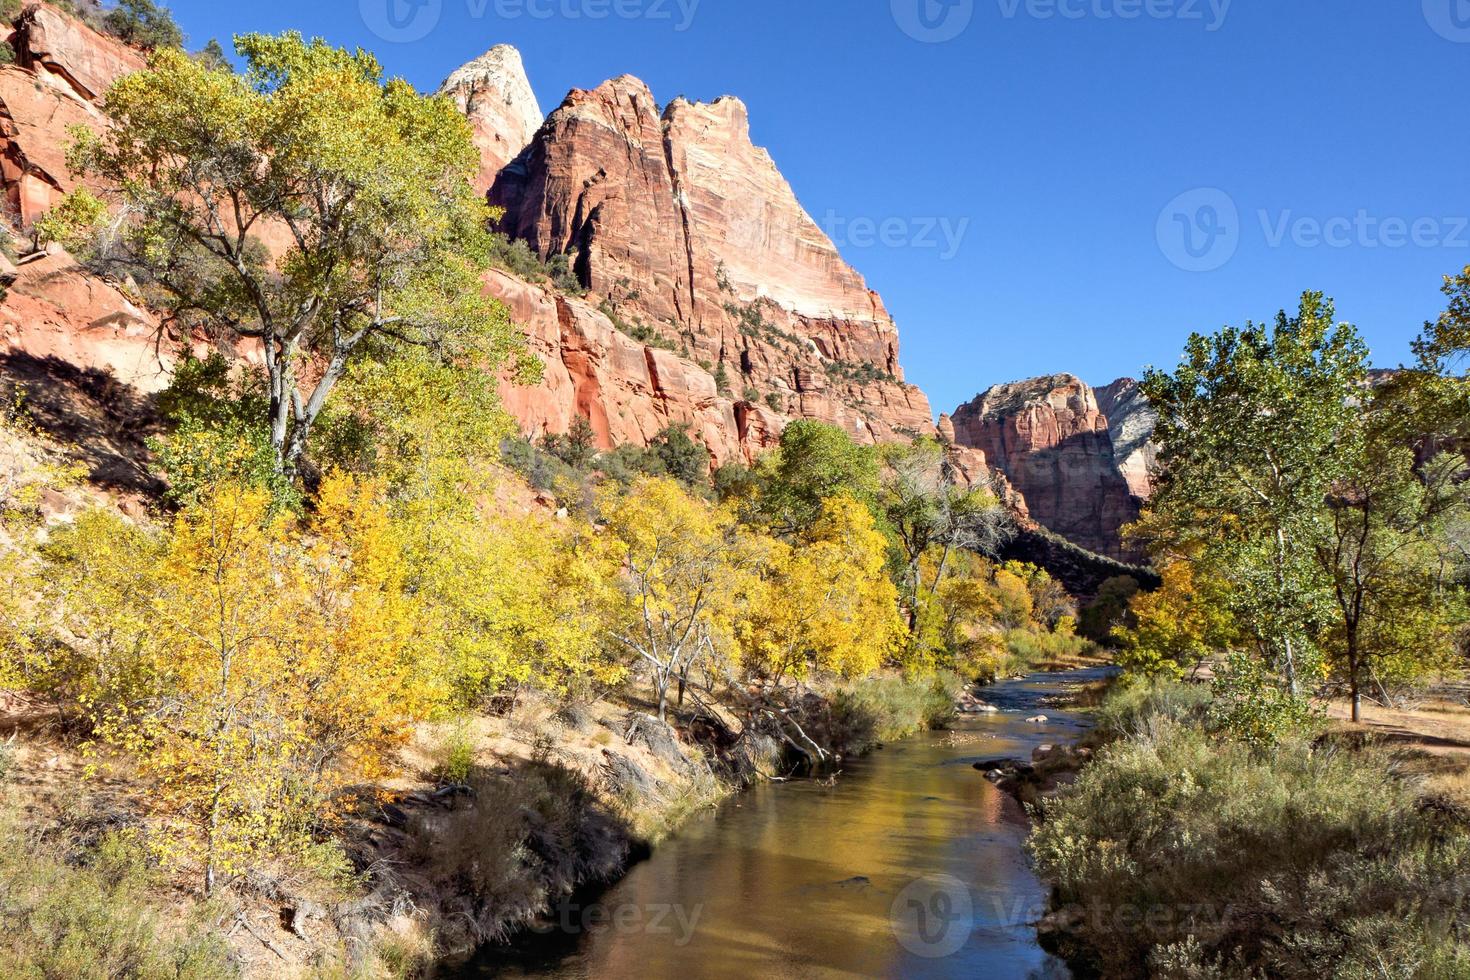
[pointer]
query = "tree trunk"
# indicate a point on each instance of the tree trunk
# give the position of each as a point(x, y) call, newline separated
point(1355, 686)
point(1290, 651)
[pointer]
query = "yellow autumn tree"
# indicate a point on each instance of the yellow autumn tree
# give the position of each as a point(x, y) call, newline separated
point(678, 560)
point(826, 605)
point(518, 600)
point(251, 667)
point(1177, 625)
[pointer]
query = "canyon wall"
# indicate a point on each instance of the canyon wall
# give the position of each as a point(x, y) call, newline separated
point(711, 300)
point(1054, 442)
point(686, 234)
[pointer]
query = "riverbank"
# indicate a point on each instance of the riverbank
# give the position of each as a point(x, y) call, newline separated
point(1182, 854)
point(818, 876)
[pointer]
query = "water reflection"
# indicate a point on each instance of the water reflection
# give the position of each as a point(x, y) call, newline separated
point(910, 866)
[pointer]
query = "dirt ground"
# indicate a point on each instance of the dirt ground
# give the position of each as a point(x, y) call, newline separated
point(1433, 731)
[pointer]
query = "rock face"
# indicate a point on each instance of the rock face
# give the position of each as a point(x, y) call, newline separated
point(495, 95)
point(62, 67)
point(1050, 438)
point(55, 309)
point(64, 52)
point(1131, 424)
point(684, 231)
point(628, 391)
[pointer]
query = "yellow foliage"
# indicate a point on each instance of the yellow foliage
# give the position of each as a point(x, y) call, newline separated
point(1176, 625)
point(823, 603)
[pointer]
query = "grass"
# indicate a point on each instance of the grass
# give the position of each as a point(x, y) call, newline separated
point(1181, 855)
point(93, 913)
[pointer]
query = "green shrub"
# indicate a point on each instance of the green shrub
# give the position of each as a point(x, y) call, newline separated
point(94, 915)
point(1181, 856)
point(869, 712)
point(1029, 649)
point(1135, 706)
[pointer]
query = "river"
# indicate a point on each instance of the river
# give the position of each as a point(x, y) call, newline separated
point(910, 865)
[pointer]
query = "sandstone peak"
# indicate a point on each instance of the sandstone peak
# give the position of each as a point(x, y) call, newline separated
point(1131, 424)
point(1054, 390)
point(682, 228)
point(495, 94)
point(1051, 440)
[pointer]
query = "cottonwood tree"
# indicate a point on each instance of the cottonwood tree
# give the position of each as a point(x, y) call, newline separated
point(815, 462)
point(361, 186)
point(927, 510)
point(819, 606)
point(678, 561)
point(1398, 602)
point(1254, 425)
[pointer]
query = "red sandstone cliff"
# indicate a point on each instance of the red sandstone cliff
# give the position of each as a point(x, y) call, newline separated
point(1051, 439)
point(680, 226)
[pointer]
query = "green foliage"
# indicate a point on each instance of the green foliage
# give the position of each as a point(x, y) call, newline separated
point(1109, 609)
point(1252, 424)
point(371, 180)
point(213, 57)
point(816, 461)
point(516, 257)
point(577, 447)
point(863, 714)
point(457, 754)
point(639, 331)
point(1139, 705)
point(864, 373)
point(144, 24)
point(1179, 856)
point(1030, 649)
point(542, 470)
point(680, 456)
point(722, 380)
point(775, 401)
point(735, 482)
point(92, 915)
point(1446, 341)
point(1249, 704)
point(217, 434)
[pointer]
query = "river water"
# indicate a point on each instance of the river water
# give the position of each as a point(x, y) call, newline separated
point(910, 865)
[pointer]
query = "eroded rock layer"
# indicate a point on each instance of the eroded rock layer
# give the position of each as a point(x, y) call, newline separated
point(684, 231)
point(1051, 439)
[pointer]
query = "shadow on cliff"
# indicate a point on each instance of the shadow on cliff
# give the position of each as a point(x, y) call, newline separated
point(1082, 572)
point(103, 423)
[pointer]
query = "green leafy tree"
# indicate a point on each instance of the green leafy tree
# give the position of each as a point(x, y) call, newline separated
point(816, 461)
point(1256, 427)
point(928, 511)
point(363, 185)
point(1387, 548)
point(681, 457)
point(577, 447)
point(213, 57)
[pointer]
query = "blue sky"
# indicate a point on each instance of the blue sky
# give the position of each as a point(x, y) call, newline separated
point(1039, 185)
